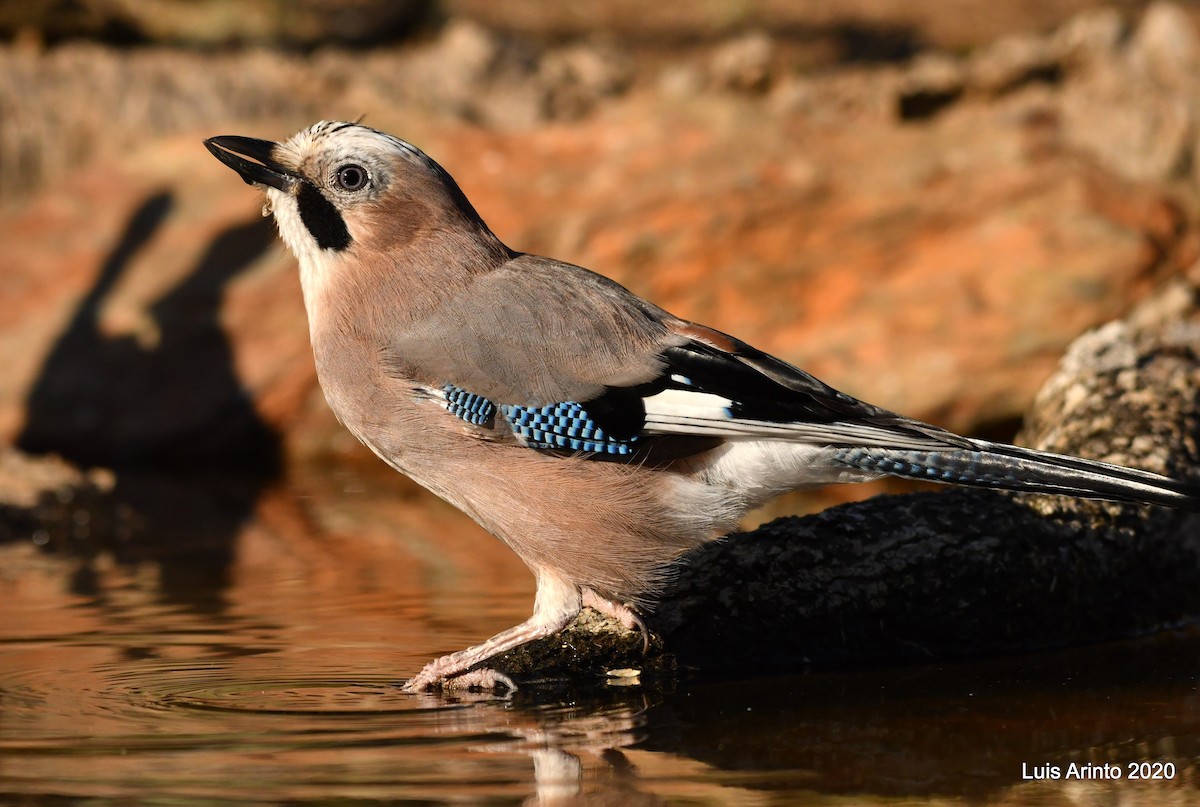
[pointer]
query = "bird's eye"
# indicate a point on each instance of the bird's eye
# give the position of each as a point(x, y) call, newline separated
point(352, 177)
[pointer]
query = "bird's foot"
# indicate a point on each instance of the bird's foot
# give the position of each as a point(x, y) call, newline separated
point(557, 604)
point(618, 611)
point(435, 676)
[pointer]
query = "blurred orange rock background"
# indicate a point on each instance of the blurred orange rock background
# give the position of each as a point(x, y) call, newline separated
point(921, 204)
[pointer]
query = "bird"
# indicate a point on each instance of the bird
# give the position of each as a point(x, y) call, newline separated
point(596, 434)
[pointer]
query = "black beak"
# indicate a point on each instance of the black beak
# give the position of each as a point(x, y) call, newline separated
point(230, 149)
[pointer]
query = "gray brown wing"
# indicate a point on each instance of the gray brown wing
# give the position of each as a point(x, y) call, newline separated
point(534, 332)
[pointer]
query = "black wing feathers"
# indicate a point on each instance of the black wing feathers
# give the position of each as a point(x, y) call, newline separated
point(764, 388)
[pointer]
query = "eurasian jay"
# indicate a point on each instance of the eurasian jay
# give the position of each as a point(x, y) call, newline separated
point(596, 434)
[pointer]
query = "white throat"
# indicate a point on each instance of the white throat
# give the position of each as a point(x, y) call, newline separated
point(315, 263)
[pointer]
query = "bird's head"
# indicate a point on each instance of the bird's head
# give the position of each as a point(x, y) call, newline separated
point(342, 189)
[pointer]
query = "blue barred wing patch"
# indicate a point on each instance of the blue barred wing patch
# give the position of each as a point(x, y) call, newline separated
point(562, 426)
point(565, 426)
point(468, 406)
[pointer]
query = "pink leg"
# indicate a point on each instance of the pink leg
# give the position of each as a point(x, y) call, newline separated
point(556, 604)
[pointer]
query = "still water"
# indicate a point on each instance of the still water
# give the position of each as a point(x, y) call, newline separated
point(225, 650)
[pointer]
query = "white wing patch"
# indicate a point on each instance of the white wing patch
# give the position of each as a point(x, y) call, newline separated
point(678, 411)
point(687, 403)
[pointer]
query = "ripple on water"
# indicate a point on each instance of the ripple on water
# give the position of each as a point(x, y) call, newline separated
point(297, 698)
point(227, 727)
point(181, 702)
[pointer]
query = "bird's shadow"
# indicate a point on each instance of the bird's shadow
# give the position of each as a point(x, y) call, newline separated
point(163, 407)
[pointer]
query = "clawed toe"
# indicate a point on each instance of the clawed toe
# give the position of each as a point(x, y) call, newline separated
point(622, 613)
point(482, 679)
point(477, 680)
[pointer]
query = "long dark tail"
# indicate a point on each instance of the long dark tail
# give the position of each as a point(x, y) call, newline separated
point(1005, 467)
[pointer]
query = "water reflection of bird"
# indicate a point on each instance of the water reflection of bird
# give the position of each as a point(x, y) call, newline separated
point(595, 433)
